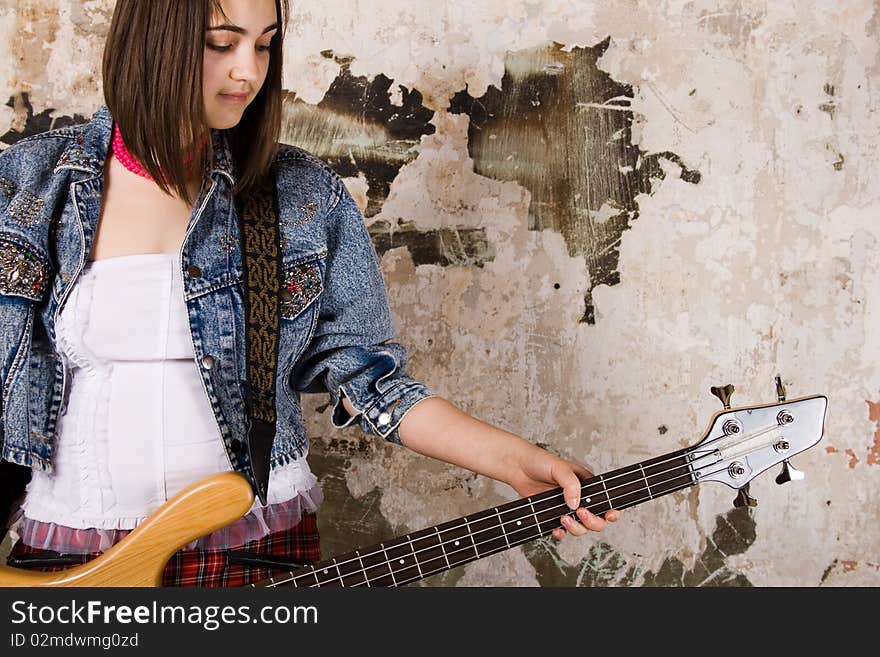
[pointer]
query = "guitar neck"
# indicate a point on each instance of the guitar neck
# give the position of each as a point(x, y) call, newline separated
point(457, 542)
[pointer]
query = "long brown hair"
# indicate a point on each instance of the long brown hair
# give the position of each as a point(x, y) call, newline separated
point(152, 75)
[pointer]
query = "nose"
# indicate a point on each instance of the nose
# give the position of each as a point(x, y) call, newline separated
point(245, 67)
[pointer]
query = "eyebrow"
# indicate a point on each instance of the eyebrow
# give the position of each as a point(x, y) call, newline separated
point(239, 30)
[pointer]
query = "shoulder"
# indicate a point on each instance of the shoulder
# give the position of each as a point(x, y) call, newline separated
point(32, 160)
point(28, 191)
point(59, 136)
point(30, 187)
point(299, 172)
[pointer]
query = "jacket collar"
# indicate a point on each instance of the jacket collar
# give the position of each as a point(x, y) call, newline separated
point(88, 151)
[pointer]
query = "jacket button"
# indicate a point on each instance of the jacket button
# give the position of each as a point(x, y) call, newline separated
point(384, 418)
point(194, 272)
point(235, 444)
point(208, 361)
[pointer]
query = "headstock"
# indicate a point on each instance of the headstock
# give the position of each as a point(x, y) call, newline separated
point(742, 442)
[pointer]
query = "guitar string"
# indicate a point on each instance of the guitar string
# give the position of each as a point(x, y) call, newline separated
point(543, 528)
point(696, 450)
point(422, 575)
point(542, 531)
point(538, 498)
point(544, 497)
point(550, 523)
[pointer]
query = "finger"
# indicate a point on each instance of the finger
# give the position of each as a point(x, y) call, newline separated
point(581, 471)
point(613, 515)
point(590, 520)
point(571, 485)
point(558, 533)
point(573, 526)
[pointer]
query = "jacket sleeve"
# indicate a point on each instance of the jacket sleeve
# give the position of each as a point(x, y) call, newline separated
point(352, 353)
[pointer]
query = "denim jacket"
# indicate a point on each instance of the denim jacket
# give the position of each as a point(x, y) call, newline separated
point(336, 327)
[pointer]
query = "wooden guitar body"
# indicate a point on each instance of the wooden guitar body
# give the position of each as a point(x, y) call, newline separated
point(739, 444)
point(139, 558)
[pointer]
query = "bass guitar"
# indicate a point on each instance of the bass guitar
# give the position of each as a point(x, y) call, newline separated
point(738, 445)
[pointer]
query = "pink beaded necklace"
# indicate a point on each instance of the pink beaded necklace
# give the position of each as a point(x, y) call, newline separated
point(129, 162)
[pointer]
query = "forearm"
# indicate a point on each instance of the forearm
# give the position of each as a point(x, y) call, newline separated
point(436, 428)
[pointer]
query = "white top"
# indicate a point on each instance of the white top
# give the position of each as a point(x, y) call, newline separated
point(138, 426)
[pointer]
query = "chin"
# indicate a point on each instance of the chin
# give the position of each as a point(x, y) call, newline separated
point(223, 123)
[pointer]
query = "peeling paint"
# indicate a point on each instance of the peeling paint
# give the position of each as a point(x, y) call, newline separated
point(355, 521)
point(842, 571)
point(562, 128)
point(601, 567)
point(605, 566)
point(873, 457)
point(593, 325)
point(359, 129)
point(444, 247)
point(32, 124)
point(853, 459)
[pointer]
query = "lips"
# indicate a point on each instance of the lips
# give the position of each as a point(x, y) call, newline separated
point(235, 98)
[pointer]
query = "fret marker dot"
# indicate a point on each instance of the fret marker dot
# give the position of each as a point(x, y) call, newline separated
point(587, 500)
point(401, 561)
point(456, 542)
point(518, 523)
point(325, 571)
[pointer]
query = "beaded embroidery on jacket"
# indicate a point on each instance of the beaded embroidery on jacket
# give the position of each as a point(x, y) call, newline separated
point(336, 335)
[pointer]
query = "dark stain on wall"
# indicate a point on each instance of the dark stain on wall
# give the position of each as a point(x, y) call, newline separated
point(35, 123)
point(445, 246)
point(562, 128)
point(353, 522)
point(346, 523)
point(357, 129)
point(603, 566)
point(371, 100)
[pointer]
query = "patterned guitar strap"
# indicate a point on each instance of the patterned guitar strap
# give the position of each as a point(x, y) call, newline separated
point(261, 273)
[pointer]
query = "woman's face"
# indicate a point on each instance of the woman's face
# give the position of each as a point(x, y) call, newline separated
point(236, 58)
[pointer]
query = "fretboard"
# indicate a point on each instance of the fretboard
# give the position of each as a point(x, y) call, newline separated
point(412, 557)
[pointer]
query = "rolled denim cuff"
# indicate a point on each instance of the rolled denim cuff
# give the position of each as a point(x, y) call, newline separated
point(382, 417)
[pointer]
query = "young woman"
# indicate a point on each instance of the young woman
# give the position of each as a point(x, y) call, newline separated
point(122, 311)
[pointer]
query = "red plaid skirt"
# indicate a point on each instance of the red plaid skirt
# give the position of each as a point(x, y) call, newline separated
point(211, 568)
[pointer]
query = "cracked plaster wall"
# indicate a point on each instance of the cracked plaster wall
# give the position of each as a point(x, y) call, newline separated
point(764, 264)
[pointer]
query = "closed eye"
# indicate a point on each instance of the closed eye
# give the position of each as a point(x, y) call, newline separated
point(217, 48)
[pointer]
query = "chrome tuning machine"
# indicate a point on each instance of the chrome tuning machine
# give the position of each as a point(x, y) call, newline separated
point(723, 393)
point(743, 498)
point(789, 473)
point(780, 389)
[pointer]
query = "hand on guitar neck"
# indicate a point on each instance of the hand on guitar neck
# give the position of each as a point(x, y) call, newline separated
point(738, 445)
point(436, 428)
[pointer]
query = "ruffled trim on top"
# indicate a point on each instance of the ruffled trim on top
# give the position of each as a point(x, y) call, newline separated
point(257, 523)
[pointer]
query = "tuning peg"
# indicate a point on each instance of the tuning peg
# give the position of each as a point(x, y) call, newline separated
point(743, 498)
point(780, 389)
point(789, 473)
point(723, 393)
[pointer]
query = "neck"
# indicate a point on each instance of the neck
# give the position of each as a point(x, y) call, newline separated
point(193, 157)
point(418, 555)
